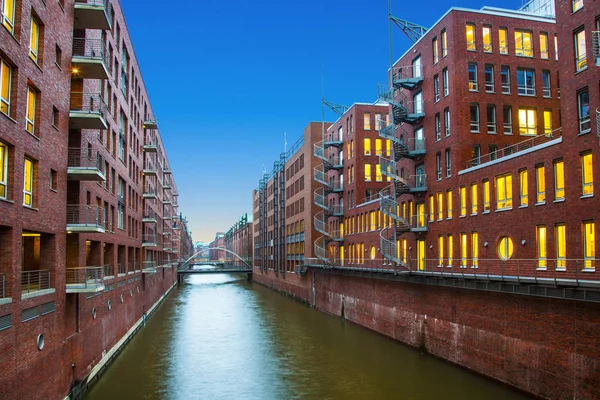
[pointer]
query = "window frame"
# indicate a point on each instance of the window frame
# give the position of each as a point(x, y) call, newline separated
point(471, 45)
point(504, 202)
point(544, 54)
point(491, 122)
point(490, 85)
point(3, 171)
point(522, 51)
point(505, 73)
point(5, 102)
point(503, 49)
point(559, 175)
point(34, 53)
point(540, 184)
point(487, 47)
point(524, 188)
point(367, 121)
point(560, 239)
point(474, 123)
point(30, 113)
point(541, 241)
point(583, 120)
point(527, 129)
point(449, 203)
point(447, 121)
point(525, 76)
point(446, 77)
point(472, 77)
point(448, 163)
point(587, 185)
point(9, 20)
point(28, 186)
point(508, 125)
point(579, 50)
point(589, 244)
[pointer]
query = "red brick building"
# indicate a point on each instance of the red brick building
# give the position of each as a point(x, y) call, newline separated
point(216, 250)
point(86, 195)
point(238, 242)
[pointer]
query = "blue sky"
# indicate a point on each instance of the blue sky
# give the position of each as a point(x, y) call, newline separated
point(227, 78)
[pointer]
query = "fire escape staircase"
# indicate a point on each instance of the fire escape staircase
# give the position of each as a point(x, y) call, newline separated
point(403, 110)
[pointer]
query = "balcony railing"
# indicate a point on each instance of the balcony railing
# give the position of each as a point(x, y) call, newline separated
point(85, 165)
point(150, 216)
point(149, 168)
point(121, 269)
point(85, 279)
point(149, 267)
point(150, 122)
point(35, 281)
point(93, 14)
point(150, 240)
point(2, 286)
point(85, 218)
point(515, 148)
point(149, 192)
point(87, 111)
point(90, 59)
point(407, 77)
point(150, 142)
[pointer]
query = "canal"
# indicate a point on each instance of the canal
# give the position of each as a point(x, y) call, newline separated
point(221, 337)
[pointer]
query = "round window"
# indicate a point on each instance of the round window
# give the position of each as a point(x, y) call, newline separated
point(506, 248)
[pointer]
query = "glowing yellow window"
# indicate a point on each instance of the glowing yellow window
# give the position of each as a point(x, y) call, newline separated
point(486, 196)
point(523, 44)
point(559, 180)
point(34, 40)
point(431, 208)
point(367, 121)
point(470, 36)
point(421, 254)
point(589, 244)
point(367, 145)
point(463, 201)
point(560, 234)
point(503, 41)
point(503, 192)
point(367, 172)
point(404, 250)
point(449, 203)
point(440, 201)
point(540, 183)
point(547, 122)
point(28, 183)
point(524, 187)
point(487, 39)
point(587, 174)
point(450, 250)
point(441, 250)
point(378, 175)
point(348, 150)
point(527, 121)
point(378, 148)
point(3, 170)
point(388, 148)
point(544, 46)
point(420, 215)
point(8, 15)
point(473, 198)
point(541, 246)
point(410, 209)
point(577, 4)
point(342, 255)
point(373, 252)
point(398, 254)
point(505, 248)
point(444, 44)
point(30, 116)
point(5, 81)
point(342, 230)
point(373, 220)
point(475, 249)
point(463, 250)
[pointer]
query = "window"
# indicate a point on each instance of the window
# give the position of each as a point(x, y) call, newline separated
point(420, 215)
point(446, 83)
point(540, 184)
point(440, 201)
point(504, 192)
point(507, 113)
point(463, 201)
point(577, 4)
point(367, 145)
point(55, 116)
point(5, 86)
point(463, 250)
point(378, 148)
point(475, 249)
point(560, 236)
point(436, 88)
point(580, 54)
point(449, 203)
point(487, 39)
point(489, 78)
point(473, 198)
point(470, 37)
point(388, 148)
point(450, 250)
point(8, 15)
point(491, 118)
point(523, 44)
point(505, 79)
point(523, 188)
point(441, 251)
point(438, 127)
point(527, 121)
point(589, 244)
point(526, 82)
point(474, 117)
point(473, 86)
point(444, 43)
point(434, 47)
point(559, 180)
point(378, 176)
point(447, 121)
point(547, 122)
point(367, 172)
point(418, 103)
point(30, 115)
point(58, 56)
point(438, 165)
point(431, 207)
point(367, 121)
point(53, 179)
point(448, 164)
point(583, 110)
point(544, 46)
point(503, 41)
point(476, 154)
point(546, 91)
point(3, 171)
point(28, 183)
point(417, 71)
point(587, 175)
point(541, 246)
point(506, 248)
point(34, 40)
point(486, 196)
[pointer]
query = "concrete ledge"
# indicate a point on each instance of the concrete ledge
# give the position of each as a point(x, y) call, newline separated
point(25, 296)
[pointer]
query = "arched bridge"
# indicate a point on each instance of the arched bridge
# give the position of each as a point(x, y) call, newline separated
point(187, 267)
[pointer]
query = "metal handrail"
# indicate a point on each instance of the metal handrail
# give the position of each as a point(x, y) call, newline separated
point(149, 165)
point(34, 281)
point(515, 148)
point(90, 48)
point(108, 270)
point(89, 158)
point(150, 138)
point(418, 181)
point(86, 276)
point(88, 102)
point(149, 213)
point(121, 269)
point(104, 3)
point(319, 150)
point(407, 72)
point(151, 238)
point(149, 189)
point(149, 264)
point(91, 215)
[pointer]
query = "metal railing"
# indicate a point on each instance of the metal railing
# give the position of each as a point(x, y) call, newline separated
point(515, 148)
point(34, 281)
point(94, 49)
point(89, 158)
point(86, 215)
point(2, 286)
point(149, 190)
point(108, 271)
point(150, 239)
point(85, 277)
point(407, 72)
point(150, 139)
point(149, 165)
point(88, 103)
point(121, 269)
point(101, 3)
point(149, 214)
point(417, 182)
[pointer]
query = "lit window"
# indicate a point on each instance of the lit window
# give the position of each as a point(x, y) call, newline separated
point(577, 4)
point(526, 82)
point(8, 15)
point(589, 244)
point(486, 196)
point(348, 150)
point(28, 183)
point(434, 46)
point(475, 249)
point(470, 36)
point(463, 201)
point(503, 41)
point(421, 254)
point(367, 147)
point(450, 250)
point(580, 53)
point(421, 215)
point(3, 171)
point(541, 246)
point(448, 164)
point(507, 114)
point(388, 148)
point(444, 43)
point(489, 78)
point(373, 218)
point(559, 180)
point(544, 46)
point(449, 203)
point(440, 201)
point(447, 121)
point(404, 244)
point(547, 122)
point(5, 86)
point(504, 192)
point(523, 44)
point(367, 121)
point(560, 234)
point(487, 39)
point(473, 85)
point(446, 82)
point(546, 89)
point(463, 250)
point(527, 121)
point(540, 184)
point(474, 113)
point(441, 251)
point(378, 122)
point(30, 116)
point(523, 187)
point(583, 110)
point(378, 175)
point(34, 40)
point(378, 148)
point(431, 208)
point(373, 252)
point(505, 248)
point(491, 118)
point(473, 198)
point(587, 174)
point(367, 172)
point(505, 79)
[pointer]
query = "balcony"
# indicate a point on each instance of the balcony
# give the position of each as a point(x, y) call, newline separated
point(149, 192)
point(149, 216)
point(407, 77)
point(35, 283)
point(85, 280)
point(596, 47)
point(403, 110)
point(87, 111)
point(85, 219)
point(150, 168)
point(93, 14)
point(150, 122)
point(85, 165)
point(150, 240)
point(333, 139)
point(149, 267)
point(167, 183)
point(90, 59)
point(167, 199)
point(150, 143)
